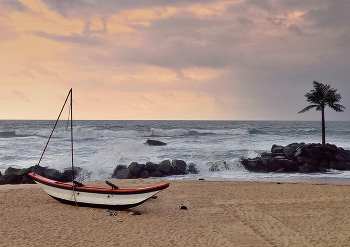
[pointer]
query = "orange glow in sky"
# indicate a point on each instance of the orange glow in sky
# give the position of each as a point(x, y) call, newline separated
point(193, 61)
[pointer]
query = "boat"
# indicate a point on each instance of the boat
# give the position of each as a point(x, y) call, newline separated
point(78, 194)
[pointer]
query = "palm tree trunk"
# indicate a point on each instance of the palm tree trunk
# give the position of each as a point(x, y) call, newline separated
point(323, 129)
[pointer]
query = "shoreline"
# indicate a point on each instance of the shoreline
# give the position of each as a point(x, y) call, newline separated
point(220, 213)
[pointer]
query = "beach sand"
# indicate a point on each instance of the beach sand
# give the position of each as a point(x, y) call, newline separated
point(224, 213)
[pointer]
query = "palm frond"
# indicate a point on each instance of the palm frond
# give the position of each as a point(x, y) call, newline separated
point(323, 95)
point(337, 107)
point(307, 108)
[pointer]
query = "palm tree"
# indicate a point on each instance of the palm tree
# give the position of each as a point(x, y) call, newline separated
point(321, 96)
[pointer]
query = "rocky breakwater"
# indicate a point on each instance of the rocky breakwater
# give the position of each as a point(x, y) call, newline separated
point(20, 176)
point(165, 168)
point(134, 170)
point(300, 157)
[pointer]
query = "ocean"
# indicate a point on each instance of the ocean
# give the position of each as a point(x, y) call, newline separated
point(99, 146)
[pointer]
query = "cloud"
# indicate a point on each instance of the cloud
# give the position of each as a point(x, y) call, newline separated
point(334, 14)
point(7, 33)
point(295, 29)
point(35, 66)
point(73, 38)
point(25, 73)
point(83, 8)
point(15, 5)
point(15, 95)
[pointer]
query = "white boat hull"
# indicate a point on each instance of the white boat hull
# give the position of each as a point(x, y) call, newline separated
point(96, 196)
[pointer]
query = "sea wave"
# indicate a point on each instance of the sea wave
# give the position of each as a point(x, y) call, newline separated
point(10, 134)
point(193, 132)
point(90, 133)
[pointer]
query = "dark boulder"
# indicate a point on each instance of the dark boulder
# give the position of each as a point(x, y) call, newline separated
point(291, 149)
point(156, 174)
point(136, 168)
point(277, 149)
point(67, 175)
point(11, 179)
point(308, 168)
point(254, 165)
point(123, 174)
point(179, 167)
point(12, 171)
point(151, 167)
point(280, 162)
point(316, 153)
point(192, 168)
point(299, 157)
point(302, 160)
point(144, 174)
point(54, 174)
point(165, 167)
point(338, 165)
point(154, 143)
point(117, 169)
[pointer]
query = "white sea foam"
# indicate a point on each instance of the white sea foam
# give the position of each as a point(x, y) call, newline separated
point(99, 146)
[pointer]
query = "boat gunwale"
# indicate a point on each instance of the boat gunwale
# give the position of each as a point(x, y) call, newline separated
point(91, 189)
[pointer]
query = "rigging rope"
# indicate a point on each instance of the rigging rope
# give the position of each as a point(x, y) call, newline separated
point(70, 93)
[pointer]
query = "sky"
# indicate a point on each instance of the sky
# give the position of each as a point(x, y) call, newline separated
point(172, 60)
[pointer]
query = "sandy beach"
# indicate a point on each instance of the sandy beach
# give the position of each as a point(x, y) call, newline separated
point(224, 213)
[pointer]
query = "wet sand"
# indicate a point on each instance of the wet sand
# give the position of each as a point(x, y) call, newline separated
point(224, 213)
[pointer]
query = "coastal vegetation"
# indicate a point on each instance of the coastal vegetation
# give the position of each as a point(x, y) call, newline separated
point(321, 96)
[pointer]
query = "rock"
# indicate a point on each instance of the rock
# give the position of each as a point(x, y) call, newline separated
point(328, 155)
point(136, 168)
point(179, 167)
point(156, 174)
point(11, 179)
point(301, 152)
point(117, 169)
point(280, 162)
point(192, 168)
point(154, 143)
point(331, 148)
point(277, 149)
point(151, 167)
point(316, 153)
point(12, 171)
point(182, 207)
point(56, 175)
point(324, 164)
point(291, 149)
point(144, 174)
point(134, 213)
point(165, 167)
point(302, 160)
point(123, 174)
point(67, 174)
point(338, 165)
point(307, 168)
point(254, 165)
point(322, 169)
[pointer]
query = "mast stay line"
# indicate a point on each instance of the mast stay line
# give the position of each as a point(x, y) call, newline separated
point(70, 93)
